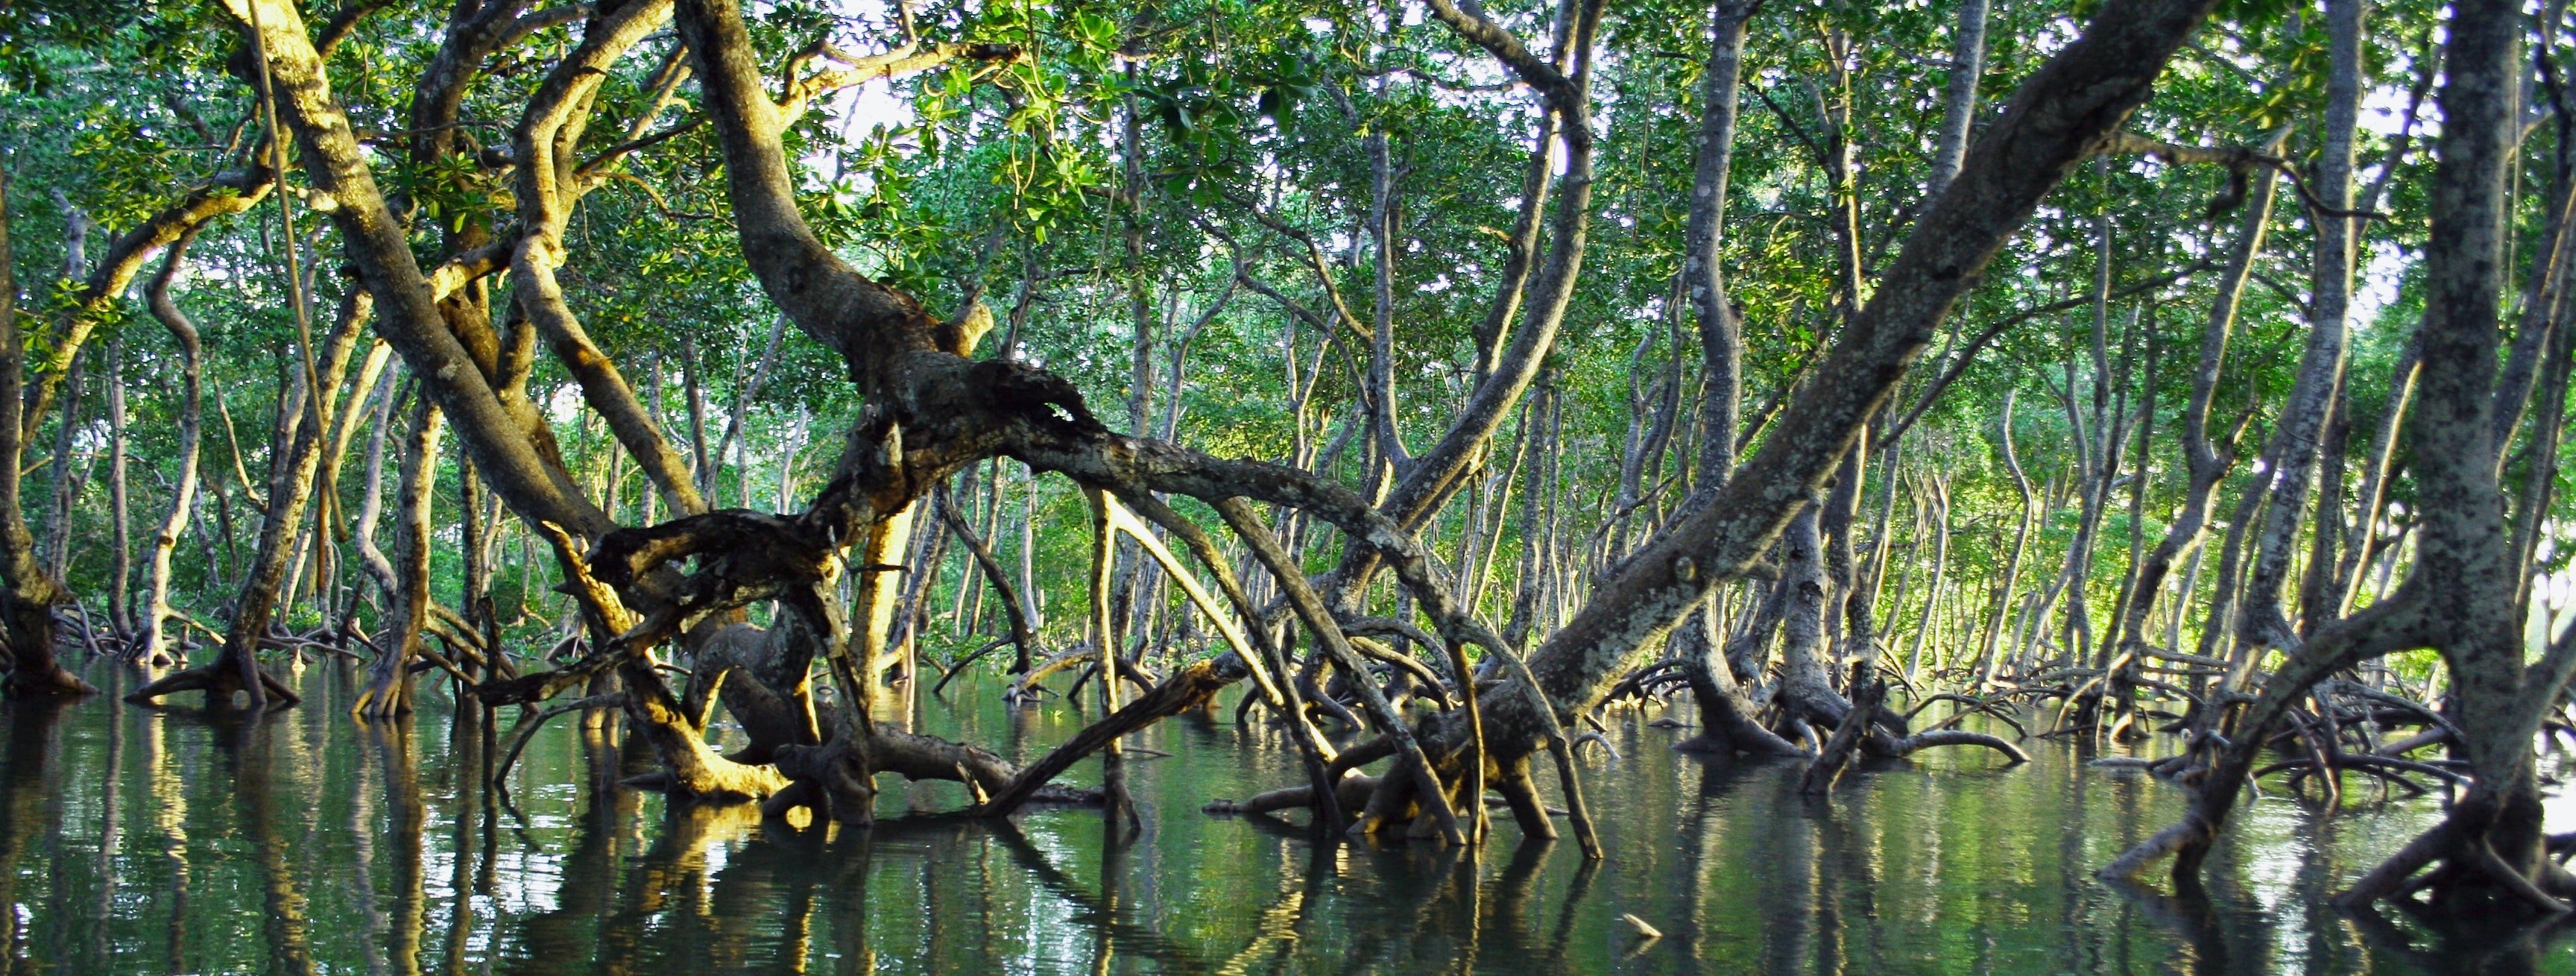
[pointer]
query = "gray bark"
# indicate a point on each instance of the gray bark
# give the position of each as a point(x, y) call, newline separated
point(2297, 439)
point(1959, 115)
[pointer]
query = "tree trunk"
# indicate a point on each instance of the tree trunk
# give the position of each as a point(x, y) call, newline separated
point(1024, 639)
point(2541, 462)
point(290, 495)
point(120, 609)
point(372, 504)
point(2293, 456)
point(2371, 500)
point(2463, 546)
point(2206, 459)
point(1924, 625)
point(1959, 114)
point(1437, 475)
point(64, 498)
point(1988, 660)
point(27, 604)
point(743, 394)
point(2315, 607)
point(151, 646)
point(1806, 678)
point(2459, 599)
point(2064, 112)
point(1380, 391)
point(693, 388)
point(389, 682)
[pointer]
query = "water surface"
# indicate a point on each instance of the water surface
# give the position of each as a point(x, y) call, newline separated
point(143, 841)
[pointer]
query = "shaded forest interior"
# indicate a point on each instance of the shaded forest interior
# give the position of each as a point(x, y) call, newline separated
point(1434, 383)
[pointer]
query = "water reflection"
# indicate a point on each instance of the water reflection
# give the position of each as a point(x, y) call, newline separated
point(298, 842)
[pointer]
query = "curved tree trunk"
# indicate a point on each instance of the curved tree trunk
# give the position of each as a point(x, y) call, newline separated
point(929, 411)
point(1721, 354)
point(1924, 625)
point(1726, 713)
point(2496, 827)
point(62, 498)
point(371, 507)
point(2063, 113)
point(1430, 480)
point(151, 646)
point(1023, 637)
point(1989, 662)
point(1806, 691)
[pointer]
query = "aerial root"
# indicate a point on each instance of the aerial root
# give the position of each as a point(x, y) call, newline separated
point(219, 679)
point(1837, 751)
point(2483, 855)
point(1956, 737)
point(526, 729)
point(2464, 854)
point(2387, 768)
point(1352, 791)
point(1520, 794)
point(1596, 738)
point(1990, 705)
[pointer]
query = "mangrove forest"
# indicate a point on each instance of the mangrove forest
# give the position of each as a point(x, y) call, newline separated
point(1334, 486)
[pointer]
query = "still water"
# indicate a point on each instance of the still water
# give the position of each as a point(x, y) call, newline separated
point(139, 841)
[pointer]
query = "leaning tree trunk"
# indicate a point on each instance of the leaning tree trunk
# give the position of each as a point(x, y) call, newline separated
point(1023, 637)
point(1923, 626)
point(2541, 461)
point(330, 521)
point(30, 594)
point(2492, 839)
point(932, 412)
point(1967, 64)
point(371, 506)
point(1726, 712)
point(1988, 660)
point(738, 427)
point(62, 499)
point(1431, 479)
point(2066, 111)
point(27, 602)
point(505, 436)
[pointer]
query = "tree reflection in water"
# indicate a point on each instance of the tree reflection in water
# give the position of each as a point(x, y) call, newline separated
point(185, 840)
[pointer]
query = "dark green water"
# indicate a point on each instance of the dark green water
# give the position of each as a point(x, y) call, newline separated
point(137, 841)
